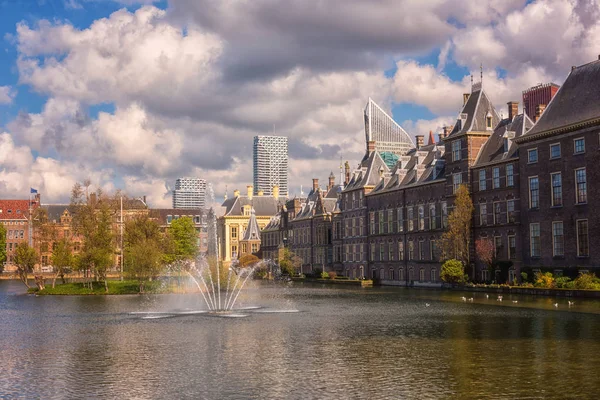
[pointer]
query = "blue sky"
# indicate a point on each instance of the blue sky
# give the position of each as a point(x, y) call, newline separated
point(134, 93)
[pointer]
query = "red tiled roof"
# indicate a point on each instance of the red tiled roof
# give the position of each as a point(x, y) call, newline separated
point(15, 209)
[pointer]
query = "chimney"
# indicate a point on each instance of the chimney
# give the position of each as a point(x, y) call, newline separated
point(92, 199)
point(236, 193)
point(539, 110)
point(513, 109)
point(331, 181)
point(144, 199)
point(466, 98)
point(260, 193)
point(347, 172)
point(250, 191)
point(315, 184)
point(370, 146)
point(441, 136)
point(276, 191)
point(419, 139)
point(431, 138)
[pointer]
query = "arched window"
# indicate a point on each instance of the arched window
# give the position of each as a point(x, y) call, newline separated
point(401, 274)
point(391, 277)
point(422, 275)
point(434, 275)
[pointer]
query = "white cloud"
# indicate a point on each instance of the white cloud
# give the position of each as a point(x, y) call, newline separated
point(7, 95)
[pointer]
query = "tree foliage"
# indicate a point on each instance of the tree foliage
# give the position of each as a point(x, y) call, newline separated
point(453, 271)
point(289, 262)
point(456, 241)
point(247, 260)
point(62, 259)
point(144, 249)
point(2, 247)
point(182, 233)
point(92, 219)
point(24, 259)
point(485, 251)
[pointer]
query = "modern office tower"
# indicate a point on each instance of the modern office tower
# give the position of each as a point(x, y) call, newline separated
point(189, 193)
point(385, 132)
point(535, 99)
point(270, 164)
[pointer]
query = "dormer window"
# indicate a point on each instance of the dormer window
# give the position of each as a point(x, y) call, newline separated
point(506, 145)
point(488, 121)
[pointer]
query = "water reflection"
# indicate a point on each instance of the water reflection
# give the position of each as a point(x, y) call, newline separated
point(347, 343)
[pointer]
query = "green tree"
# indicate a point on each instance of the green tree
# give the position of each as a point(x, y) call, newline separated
point(2, 247)
point(453, 271)
point(62, 259)
point(289, 262)
point(25, 258)
point(144, 249)
point(92, 219)
point(456, 241)
point(184, 239)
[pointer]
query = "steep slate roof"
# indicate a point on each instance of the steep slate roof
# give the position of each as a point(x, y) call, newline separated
point(418, 166)
point(263, 205)
point(252, 232)
point(274, 223)
point(577, 101)
point(368, 172)
point(493, 149)
point(476, 109)
point(55, 211)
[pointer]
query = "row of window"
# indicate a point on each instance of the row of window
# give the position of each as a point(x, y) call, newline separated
point(353, 200)
point(15, 234)
point(11, 222)
point(581, 189)
point(196, 218)
point(558, 239)
point(502, 212)
point(555, 150)
point(509, 178)
point(428, 217)
point(392, 275)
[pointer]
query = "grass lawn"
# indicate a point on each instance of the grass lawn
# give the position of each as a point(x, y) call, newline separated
point(114, 287)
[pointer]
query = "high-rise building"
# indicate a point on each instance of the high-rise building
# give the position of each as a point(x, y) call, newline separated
point(189, 193)
point(270, 164)
point(385, 132)
point(536, 98)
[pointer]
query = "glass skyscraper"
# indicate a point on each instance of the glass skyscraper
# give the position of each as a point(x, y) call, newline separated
point(270, 164)
point(385, 132)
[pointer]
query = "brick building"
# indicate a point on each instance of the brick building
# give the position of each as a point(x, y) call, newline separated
point(536, 98)
point(532, 186)
point(15, 216)
point(559, 169)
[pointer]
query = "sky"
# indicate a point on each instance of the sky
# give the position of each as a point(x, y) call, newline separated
point(132, 94)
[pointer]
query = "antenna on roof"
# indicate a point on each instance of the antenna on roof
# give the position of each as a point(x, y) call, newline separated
point(481, 74)
point(471, 82)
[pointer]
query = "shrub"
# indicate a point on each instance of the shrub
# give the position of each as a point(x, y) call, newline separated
point(587, 281)
point(324, 275)
point(453, 271)
point(332, 275)
point(544, 280)
point(524, 277)
point(562, 282)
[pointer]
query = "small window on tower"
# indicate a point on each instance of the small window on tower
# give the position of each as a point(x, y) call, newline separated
point(489, 121)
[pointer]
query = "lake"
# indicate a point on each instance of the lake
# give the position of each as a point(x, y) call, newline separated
point(344, 343)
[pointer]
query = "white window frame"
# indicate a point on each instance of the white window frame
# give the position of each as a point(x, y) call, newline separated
point(512, 175)
point(559, 151)
point(455, 184)
point(482, 174)
point(554, 243)
point(495, 177)
point(531, 240)
point(577, 201)
point(456, 150)
point(587, 234)
point(575, 145)
point(538, 191)
point(537, 155)
point(552, 189)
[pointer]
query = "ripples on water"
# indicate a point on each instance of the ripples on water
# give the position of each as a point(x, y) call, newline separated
point(345, 343)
